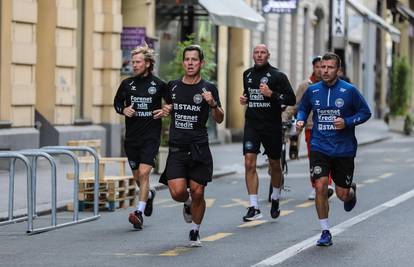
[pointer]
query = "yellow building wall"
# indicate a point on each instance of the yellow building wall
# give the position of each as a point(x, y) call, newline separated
point(19, 69)
point(139, 13)
point(6, 8)
point(239, 54)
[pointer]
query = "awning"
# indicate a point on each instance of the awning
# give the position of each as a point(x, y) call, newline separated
point(371, 16)
point(233, 13)
point(406, 12)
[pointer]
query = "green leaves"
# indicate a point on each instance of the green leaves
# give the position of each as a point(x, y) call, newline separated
point(400, 86)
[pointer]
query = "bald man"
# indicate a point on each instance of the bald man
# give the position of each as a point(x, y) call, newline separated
point(265, 90)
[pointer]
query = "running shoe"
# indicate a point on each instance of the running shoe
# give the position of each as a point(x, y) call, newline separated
point(194, 238)
point(148, 207)
point(325, 240)
point(187, 213)
point(330, 191)
point(312, 194)
point(135, 218)
point(274, 210)
point(252, 214)
point(349, 205)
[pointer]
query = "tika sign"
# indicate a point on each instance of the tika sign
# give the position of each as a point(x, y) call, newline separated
point(279, 6)
point(338, 18)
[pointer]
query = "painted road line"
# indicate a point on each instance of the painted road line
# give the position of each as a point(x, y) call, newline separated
point(385, 175)
point(172, 205)
point(336, 230)
point(216, 237)
point(285, 212)
point(210, 202)
point(306, 204)
point(174, 252)
point(252, 223)
point(162, 200)
point(371, 181)
point(238, 202)
point(360, 185)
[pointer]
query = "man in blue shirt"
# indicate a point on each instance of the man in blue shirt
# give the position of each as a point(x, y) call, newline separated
point(337, 108)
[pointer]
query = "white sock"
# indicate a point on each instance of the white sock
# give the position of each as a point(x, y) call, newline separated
point(188, 201)
point(275, 193)
point(253, 201)
point(195, 227)
point(141, 206)
point(149, 194)
point(324, 224)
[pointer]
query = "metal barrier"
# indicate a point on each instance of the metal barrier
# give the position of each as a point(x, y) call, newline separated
point(96, 184)
point(13, 156)
point(46, 152)
point(35, 154)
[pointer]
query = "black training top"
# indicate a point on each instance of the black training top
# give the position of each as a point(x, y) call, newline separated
point(265, 112)
point(190, 111)
point(145, 93)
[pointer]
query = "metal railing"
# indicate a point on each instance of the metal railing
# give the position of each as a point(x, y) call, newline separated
point(31, 167)
point(97, 175)
point(13, 156)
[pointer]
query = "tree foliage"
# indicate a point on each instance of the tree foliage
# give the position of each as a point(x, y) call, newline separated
point(400, 87)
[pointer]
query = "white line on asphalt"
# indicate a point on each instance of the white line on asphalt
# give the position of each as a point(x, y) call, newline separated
point(305, 244)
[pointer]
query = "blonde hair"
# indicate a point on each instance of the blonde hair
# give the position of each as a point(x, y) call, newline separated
point(147, 52)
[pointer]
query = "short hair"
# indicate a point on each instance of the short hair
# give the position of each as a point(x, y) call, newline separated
point(333, 56)
point(316, 59)
point(194, 47)
point(147, 53)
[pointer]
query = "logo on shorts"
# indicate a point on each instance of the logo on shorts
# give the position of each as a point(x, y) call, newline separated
point(264, 80)
point(197, 98)
point(152, 90)
point(317, 170)
point(248, 145)
point(348, 179)
point(339, 102)
point(133, 164)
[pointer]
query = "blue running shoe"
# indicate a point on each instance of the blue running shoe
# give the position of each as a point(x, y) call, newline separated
point(325, 240)
point(349, 205)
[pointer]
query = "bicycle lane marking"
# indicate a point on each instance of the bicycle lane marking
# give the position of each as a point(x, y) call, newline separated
point(336, 230)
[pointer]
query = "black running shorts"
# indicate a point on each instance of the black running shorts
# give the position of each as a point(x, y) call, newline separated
point(341, 168)
point(144, 151)
point(181, 164)
point(270, 139)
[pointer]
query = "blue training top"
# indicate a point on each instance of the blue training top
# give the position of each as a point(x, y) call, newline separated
point(340, 100)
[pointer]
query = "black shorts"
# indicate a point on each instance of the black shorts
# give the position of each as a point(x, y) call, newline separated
point(181, 163)
point(270, 139)
point(340, 168)
point(144, 151)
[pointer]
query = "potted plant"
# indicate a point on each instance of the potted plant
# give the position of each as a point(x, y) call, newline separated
point(399, 119)
point(176, 71)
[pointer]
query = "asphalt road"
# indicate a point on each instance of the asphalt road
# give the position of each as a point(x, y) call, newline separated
point(378, 232)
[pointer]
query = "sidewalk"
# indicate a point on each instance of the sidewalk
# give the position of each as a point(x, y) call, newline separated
point(228, 159)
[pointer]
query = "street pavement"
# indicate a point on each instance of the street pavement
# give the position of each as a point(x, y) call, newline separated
point(376, 232)
point(228, 159)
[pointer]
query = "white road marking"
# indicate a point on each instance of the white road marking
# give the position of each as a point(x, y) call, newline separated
point(305, 244)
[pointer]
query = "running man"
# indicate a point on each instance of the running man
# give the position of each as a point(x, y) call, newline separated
point(139, 99)
point(189, 163)
point(315, 77)
point(265, 90)
point(337, 108)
